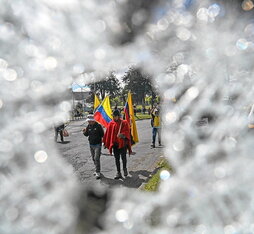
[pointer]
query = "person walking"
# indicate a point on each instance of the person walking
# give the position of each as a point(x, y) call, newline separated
point(149, 110)
point(135, 110)
point(144, 109)
point(59, 130)
point(95, 133)
point(156, 125)
point(117, 138)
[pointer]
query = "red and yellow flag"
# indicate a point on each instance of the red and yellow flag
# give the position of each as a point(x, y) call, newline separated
point(96, 102)
point(130, 117)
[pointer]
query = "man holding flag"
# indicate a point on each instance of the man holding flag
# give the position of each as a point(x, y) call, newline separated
point(117, 138)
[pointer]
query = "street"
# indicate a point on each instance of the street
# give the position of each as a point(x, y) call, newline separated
point(76, 151)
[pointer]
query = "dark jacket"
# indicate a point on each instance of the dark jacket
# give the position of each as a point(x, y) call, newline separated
point(59, 127)
point(95, 133)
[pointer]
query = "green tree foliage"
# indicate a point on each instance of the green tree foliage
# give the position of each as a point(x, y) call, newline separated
point(148, 100)
point(116, 101)
point(78, 110)
point(138, 83)
point(109, 86)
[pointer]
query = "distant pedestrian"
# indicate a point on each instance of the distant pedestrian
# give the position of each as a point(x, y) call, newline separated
point(117, 138)
point(144, 109)
point(156, 125)
point(135, 110)
point(59, 130)
point(95, 133)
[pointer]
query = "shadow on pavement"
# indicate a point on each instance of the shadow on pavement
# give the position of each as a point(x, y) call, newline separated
point(64, 142)
point(133, 180)
point(106, 154)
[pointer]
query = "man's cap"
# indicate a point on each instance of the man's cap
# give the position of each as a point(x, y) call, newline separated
point(90, 118)
point(116, 113)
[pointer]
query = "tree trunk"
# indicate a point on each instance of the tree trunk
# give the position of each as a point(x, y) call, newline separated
point(153, 98)
point(124, 99)
point(143, 99)
point(102, 94)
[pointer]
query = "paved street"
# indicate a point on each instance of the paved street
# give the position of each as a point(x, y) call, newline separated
point(76, 151)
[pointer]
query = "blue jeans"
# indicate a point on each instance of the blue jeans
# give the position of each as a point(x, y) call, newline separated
point(96, 154)
point(155, 131)
point(60, 131)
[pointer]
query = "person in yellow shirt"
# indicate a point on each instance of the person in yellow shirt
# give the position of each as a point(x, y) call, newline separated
point(156, 124)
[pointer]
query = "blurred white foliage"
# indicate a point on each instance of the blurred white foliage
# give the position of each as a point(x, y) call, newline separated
point(201, 56)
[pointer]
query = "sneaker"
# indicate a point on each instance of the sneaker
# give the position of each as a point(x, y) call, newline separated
point(125, 172)
point(118, 176)
point(98, 175)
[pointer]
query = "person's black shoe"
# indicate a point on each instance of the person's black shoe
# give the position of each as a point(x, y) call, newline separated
point(125, 172)
point(153, 146)
point(98, 175)
point(118, 176)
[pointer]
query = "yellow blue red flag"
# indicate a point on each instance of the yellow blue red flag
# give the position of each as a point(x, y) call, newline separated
point(130, 117)
point(96, 102)
point(103, 114)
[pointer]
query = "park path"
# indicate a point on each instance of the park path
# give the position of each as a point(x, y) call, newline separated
point(140, 166)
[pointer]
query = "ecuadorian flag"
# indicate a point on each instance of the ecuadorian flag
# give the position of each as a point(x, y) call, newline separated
point(96, 102)
point(130, 117)
point(103, 113)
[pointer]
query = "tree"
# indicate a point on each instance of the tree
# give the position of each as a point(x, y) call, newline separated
point(109, 86)
point(139, 84)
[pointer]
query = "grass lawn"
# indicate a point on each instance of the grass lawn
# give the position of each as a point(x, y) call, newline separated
point(140, 116)
point(153, 184)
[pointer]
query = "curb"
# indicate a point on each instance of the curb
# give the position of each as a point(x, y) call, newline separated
point(142, 119)
point(154, 168)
